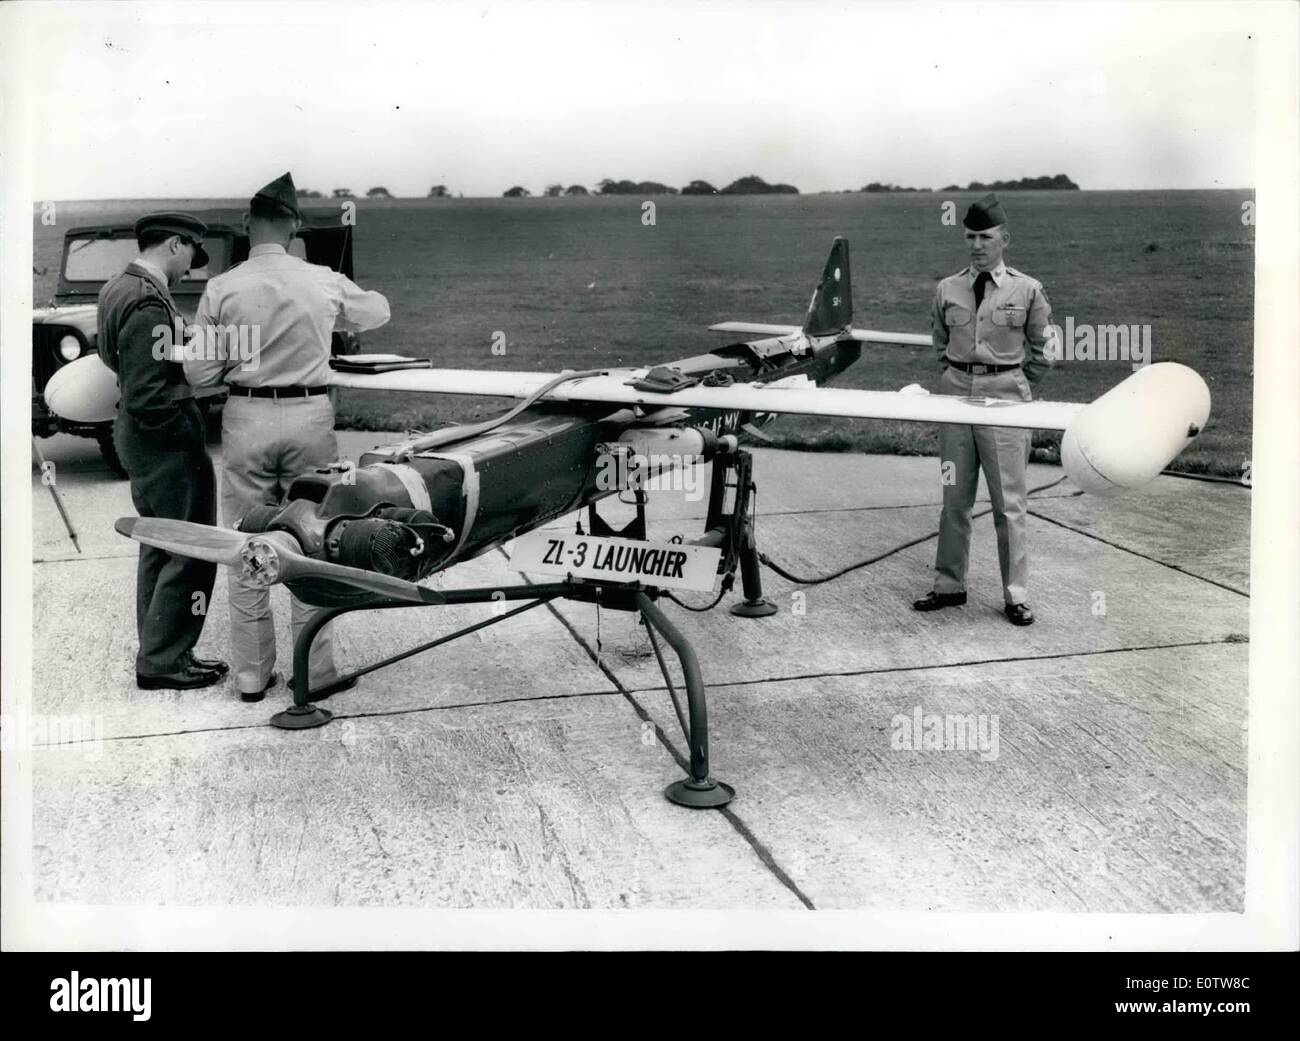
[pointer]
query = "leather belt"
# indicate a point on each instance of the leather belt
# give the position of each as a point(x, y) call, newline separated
point(277, 392)
point(979, 370)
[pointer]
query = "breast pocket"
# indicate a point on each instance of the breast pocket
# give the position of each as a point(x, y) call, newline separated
point(955, 315)
point(1010, 316)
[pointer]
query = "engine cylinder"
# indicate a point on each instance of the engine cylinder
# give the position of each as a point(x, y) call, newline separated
point(395, 542)
point(259, 518)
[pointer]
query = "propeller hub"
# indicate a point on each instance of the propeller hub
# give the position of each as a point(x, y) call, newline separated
point(261, 561)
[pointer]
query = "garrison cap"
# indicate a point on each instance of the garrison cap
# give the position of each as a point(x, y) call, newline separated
point(282, 192)
point(984, 213)
point(176, 223)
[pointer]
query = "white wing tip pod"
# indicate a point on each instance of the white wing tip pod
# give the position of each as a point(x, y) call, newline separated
point(1136, 429)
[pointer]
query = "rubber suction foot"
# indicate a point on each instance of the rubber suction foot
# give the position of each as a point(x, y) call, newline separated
point(700, 795)
point(301, 717)
point(754, 608)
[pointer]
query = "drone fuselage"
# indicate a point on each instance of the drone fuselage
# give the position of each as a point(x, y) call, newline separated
point(412, 514)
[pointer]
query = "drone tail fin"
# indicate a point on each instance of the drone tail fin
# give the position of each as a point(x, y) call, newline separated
point(831, 308)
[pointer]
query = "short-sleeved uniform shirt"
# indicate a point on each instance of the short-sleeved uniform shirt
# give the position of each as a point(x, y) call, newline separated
point(1010, 326)
point(295, 307)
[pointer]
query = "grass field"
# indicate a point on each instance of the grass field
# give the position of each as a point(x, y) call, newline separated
point(576, 283)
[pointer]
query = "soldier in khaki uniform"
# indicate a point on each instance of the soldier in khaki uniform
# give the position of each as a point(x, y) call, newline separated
point(278, 422)
point(990, 324)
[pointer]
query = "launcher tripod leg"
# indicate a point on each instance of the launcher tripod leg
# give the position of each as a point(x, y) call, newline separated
point(699, 791)
point(302, 714)
point(744, 543)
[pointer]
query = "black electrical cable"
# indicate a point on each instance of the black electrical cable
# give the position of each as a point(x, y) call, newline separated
point(767, 562)
point(1211, 478)
point(447, 435)
point(798, 580)
point(716, 600)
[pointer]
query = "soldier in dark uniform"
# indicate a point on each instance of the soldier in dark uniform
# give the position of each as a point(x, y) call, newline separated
point(159, 433)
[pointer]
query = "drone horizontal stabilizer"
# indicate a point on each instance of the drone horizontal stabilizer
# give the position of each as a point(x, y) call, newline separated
point(861, 335)
point(755, 328)
point(905, 339)
point(270, 557)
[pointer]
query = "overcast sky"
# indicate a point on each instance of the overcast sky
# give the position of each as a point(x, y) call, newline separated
point(153, 101)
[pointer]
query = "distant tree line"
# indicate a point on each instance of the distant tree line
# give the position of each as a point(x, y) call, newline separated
point(1056, 181)
point(608, 187)
point(750, 185)
point(876, 186)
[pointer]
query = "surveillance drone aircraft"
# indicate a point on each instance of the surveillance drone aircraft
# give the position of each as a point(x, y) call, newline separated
point(349, 538)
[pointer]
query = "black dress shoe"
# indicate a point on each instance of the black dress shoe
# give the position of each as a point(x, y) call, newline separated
point(1019, 614)
point(210, 665)
point(188, 678)
point(934, 601)
point(258, 695)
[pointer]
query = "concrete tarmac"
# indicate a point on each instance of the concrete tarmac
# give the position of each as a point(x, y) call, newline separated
point(523, 766)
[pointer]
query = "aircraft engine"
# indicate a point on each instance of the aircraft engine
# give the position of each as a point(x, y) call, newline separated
point(352, 517)
point(663, 448)
point(1136, 429)
point(393, 542)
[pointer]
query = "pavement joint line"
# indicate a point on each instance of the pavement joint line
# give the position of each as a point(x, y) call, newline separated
point(1143, 556)
point(886, 670)
point(986, 512)
point(874, 506)
point(74, 557)
point(144, 737)
point(625, 691)
point(741, 828)
point(411, 711)
point(416, 710)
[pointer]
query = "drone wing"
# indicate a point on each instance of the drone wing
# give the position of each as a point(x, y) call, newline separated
point(613, 389)
point(1120, 441)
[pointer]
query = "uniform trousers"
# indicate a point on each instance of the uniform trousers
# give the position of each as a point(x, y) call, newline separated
point(266, 443)
point(171, 476)
point(1003, 454)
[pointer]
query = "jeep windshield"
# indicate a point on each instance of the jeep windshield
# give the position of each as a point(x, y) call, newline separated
point(98, 257)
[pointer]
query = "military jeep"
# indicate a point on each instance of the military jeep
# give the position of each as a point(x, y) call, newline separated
point(65, 330)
